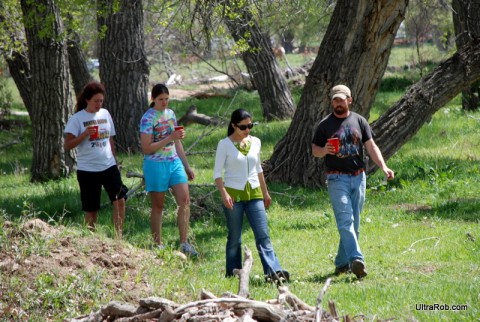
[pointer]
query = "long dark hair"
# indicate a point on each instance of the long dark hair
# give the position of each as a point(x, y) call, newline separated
point(157, 90)
point(237, 116)
point(87, 93)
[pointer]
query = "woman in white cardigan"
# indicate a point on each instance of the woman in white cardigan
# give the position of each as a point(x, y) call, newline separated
point(239, 177)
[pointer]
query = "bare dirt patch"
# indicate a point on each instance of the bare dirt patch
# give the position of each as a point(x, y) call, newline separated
point(63, 256)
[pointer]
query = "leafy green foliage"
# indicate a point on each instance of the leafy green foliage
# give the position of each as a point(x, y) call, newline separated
point(6, 97)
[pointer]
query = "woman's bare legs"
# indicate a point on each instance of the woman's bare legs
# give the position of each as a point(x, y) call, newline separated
point(91, 219)
point(158, 201)
point(182, 197)
point(118, 217)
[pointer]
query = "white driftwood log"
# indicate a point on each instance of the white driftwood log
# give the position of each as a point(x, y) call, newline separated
point(228, 308)
point(244, 273)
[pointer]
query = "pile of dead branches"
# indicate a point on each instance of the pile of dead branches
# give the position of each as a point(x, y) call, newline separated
point(227, 308)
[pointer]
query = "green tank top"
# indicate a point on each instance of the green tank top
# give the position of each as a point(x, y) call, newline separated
point(248, 193)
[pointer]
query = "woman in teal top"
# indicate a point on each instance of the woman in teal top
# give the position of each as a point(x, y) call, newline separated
point(165, 166)
point(239, 177)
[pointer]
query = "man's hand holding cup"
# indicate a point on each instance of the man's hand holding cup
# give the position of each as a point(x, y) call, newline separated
point(333, 145)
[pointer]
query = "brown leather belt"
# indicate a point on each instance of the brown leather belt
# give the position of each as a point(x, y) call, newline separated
point(355, 173)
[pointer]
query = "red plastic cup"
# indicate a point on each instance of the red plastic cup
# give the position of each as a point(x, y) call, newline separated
point(335, 142)
point(94, 135)
point(178, 128)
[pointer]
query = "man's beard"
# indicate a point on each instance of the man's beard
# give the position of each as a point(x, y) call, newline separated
point(340, 110)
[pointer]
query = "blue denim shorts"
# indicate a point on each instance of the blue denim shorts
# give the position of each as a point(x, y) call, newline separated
point(159, 176)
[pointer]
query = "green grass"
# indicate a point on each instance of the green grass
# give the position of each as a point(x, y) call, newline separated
point(415, 230)
point(404, 55)
point(419, 233)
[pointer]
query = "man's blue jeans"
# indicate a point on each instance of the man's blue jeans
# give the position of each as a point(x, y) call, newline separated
point(257, 217)
point(347, 195)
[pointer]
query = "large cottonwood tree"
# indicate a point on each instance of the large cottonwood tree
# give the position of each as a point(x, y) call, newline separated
point(13, 48)
point(77, 61)
point(124, 67)
point(355, 52)
point(292, 162)
point(466, 21)
point(265, 73)
point(50, 98)
point(403, 120)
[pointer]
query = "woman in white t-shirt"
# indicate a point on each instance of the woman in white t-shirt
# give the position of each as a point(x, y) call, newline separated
point(91, 131)
point(239, 177)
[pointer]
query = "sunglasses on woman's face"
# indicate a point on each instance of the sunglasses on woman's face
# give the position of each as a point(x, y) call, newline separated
point(244, 127)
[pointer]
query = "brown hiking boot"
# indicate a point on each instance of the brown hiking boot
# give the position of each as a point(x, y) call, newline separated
point(358, 268)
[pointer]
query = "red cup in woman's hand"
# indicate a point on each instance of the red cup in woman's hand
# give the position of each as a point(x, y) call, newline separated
point(94, 135)
point(180, 130)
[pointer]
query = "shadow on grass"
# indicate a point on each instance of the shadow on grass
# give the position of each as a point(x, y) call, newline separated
point(445, 177)
point(454, 209)
point(322, 278)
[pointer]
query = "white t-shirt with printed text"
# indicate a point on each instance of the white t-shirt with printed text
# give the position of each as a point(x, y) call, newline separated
point(93, 154)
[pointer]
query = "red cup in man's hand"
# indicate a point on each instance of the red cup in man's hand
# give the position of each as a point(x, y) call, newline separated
point(335, 142)
point(178, 128)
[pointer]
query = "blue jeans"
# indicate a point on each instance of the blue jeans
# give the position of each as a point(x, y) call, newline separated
point(257, 217)
point(347, 195)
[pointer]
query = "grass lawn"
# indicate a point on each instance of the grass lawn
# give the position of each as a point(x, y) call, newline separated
point(419, 233)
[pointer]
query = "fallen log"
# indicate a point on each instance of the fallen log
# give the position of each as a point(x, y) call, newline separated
point(261, 310)
point(142, 317)
point(228, 308)
point(191, 116)
point(285, 296)
point(6, 145)
point(247, 316)
point(244, 273)
point(204, 95)
point(204, 295)
point(318, 308)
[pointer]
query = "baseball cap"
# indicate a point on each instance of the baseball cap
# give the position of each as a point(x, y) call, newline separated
point(340, 91)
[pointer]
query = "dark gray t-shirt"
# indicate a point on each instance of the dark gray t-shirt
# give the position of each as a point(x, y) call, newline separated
point(352, 132)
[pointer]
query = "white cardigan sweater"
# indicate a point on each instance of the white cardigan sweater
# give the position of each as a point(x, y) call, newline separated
point(238, 168)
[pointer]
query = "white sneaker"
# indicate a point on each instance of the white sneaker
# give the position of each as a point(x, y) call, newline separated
point(188, 249)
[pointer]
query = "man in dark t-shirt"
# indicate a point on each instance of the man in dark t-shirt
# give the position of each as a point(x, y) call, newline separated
point(346, 179)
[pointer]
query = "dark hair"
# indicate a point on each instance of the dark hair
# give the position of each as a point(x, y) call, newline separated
point(237, 116)
point(87, 93)
point(157, 90)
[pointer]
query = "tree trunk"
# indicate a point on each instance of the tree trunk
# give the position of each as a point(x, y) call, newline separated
point(50, 97)
point(20, 71)
point(403, 120)
point(124, 68)
point(16, 59)
point(466, 17)
point(268, 79)
point(354, 52)
point(77, 62)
